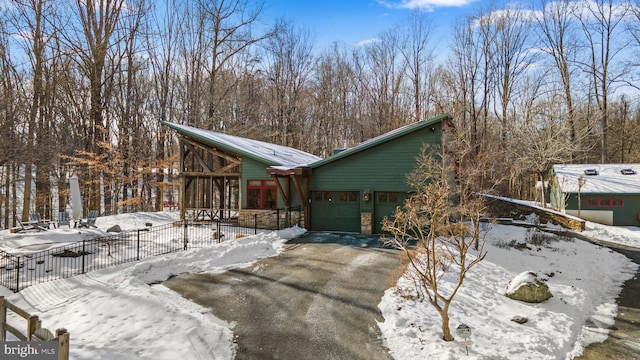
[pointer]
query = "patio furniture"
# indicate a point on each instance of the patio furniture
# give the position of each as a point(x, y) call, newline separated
point(64, 219)
point(91, 220)
point(36, 219)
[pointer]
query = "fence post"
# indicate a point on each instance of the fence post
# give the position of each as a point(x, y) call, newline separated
point(255, 224)
point(138, 246)
point(219, 236)
point(83, 252)
point(185, 234)
point(18, 274)
point(3, 319)
point(63, 344)
point(278, 219)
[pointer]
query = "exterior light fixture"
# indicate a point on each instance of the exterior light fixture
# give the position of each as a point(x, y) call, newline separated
point(366, 195)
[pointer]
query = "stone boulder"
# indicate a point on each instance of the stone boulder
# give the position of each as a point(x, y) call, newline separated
point(114, 229)
point(528, 287)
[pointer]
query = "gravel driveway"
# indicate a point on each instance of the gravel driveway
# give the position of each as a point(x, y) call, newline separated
point(317, 300)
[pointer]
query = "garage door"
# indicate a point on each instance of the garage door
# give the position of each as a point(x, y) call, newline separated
point(335, 211)
point(385, 205)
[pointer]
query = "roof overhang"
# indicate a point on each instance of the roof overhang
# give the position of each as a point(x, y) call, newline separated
point(280, 171)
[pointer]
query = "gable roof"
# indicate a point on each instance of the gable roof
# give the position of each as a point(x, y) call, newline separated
point(393, 134)
point(261, 151)
point(609, 178)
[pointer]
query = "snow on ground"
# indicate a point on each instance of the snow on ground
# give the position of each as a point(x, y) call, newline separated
point(118, 313)
point(584, 278)
point(33, 241)
point(621, 235)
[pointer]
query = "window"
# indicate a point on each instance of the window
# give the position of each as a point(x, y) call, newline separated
point(390, 197)
point(322, 196)
point(617, 202)
point(262, 194)
point(605, 202)
point(348, 196)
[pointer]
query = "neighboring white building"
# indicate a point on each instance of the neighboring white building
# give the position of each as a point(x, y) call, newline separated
point(603, 193)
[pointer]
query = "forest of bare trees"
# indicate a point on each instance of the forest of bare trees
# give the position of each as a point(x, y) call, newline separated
point(85, 85)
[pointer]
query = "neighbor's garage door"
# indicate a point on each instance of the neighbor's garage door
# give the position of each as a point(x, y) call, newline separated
point(385, 205)
point(335, 211)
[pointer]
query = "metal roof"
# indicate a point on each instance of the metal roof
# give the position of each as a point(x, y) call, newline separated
point(270, 154)
point(599, 178)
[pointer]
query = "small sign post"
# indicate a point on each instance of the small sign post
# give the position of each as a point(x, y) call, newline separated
point(464, 331)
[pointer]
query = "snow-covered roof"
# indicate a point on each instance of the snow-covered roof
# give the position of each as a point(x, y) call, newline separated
point(604, 178)
point(259, 150)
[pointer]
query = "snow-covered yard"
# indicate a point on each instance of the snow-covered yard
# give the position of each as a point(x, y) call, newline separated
point(584, 279)
point(123, 312)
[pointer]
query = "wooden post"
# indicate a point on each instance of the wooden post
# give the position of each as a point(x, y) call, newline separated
point(63, 344)
point(3, 319)
point(181, 194)
point(32, 325)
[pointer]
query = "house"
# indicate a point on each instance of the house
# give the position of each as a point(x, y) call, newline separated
point(355, 189)
point(350, 191)
point(604, 193)
point(221, 174)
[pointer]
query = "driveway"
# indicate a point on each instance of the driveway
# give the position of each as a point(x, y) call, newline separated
point(623, 341)
point(317, 300)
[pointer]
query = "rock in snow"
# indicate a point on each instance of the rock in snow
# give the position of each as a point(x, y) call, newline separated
point(528, 287)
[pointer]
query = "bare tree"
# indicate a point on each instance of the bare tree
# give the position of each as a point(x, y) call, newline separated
point(161, 39)
point(416, 50)
point(128, 103)
point(11, 119)
point(96, 24)
point(512, 58)
point(334, 100)
point(444, 219)
point(227, 30)
point(35, 23)
point(380, 73)
point(602, 24)
point(556, 32)
point(470, 73)
point(288, 61)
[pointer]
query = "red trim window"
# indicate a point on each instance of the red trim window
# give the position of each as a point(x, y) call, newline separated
point(262, 194)
point(605, 202)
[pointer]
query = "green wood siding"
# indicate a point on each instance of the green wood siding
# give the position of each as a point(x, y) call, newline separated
point(380, 168)
point(383, 167)
point(255, 170)
point(625, 207)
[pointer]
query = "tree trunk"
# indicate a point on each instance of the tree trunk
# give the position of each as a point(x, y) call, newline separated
point(26, 200)
point(14, 195)
point(446, 331)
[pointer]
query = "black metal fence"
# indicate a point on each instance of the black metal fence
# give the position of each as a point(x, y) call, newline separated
point(70, 259)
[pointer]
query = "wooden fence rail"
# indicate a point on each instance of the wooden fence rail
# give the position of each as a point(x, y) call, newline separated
point(34, 329)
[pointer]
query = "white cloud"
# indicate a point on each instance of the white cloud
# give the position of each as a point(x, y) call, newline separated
point(428, 5)
point(366, 42)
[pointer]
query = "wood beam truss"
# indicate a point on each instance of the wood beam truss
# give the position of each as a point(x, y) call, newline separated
point(208, 176)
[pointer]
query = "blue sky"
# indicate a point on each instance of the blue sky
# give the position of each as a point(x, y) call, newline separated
point(353, 21)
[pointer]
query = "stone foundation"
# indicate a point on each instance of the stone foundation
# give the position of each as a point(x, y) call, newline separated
point(366, 223)
point(269, 219)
